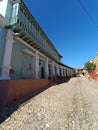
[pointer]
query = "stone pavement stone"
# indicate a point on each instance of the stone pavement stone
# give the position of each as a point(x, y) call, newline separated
point(68, 106)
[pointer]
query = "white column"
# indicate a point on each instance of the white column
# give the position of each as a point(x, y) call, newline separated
point(61, 72)
point(37, 65)
point(67, 72)
point(58, 71)
point(7, 56)
point(46, 68)
point(52, 69)
point(64, 72)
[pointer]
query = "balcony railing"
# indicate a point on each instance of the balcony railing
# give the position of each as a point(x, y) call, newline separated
point(28, 27)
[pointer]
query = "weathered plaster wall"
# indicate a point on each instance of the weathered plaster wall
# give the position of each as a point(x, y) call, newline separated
point(12, 90)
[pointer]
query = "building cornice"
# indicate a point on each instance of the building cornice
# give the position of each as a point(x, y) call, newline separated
point(40, 29)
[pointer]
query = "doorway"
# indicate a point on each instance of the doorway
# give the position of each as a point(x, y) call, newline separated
point(42, 72)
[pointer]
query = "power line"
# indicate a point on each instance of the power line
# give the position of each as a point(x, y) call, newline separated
point(88, 14)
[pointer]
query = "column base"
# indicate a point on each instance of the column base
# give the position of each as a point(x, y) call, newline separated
point(5, 73)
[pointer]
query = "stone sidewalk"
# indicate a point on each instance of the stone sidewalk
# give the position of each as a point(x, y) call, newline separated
point(68, 106)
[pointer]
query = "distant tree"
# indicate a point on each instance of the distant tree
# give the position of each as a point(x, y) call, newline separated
point(89, 66)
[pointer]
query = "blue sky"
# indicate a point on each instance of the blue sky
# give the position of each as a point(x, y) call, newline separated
point(70, 26)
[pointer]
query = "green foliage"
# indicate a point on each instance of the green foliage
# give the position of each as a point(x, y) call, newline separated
point(89, 66)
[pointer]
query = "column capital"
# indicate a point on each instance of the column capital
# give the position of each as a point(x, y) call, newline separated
point(37, 52)
point(47, 58)
point(10, 36)
point(5, 73)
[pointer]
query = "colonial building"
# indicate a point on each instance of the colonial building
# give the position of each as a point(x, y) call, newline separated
point(79, 71)
point(25, 49)
point(29, 62)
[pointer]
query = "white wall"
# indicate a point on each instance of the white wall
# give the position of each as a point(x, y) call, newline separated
point(3, 6)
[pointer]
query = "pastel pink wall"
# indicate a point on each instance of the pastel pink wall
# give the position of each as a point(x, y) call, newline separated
point(93, 75)
point(12, 90)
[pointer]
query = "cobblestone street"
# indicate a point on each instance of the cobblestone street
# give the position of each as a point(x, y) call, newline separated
point(69, 106)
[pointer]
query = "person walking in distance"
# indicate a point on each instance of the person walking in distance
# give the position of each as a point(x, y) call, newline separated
point(88, 75)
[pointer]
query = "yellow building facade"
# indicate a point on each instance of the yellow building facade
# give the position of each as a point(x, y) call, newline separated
point(95, 60)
